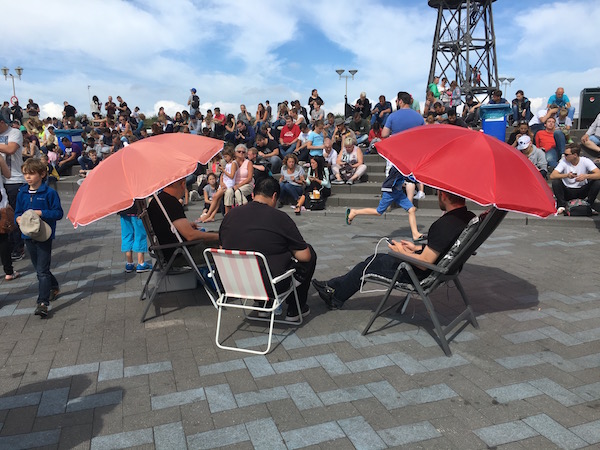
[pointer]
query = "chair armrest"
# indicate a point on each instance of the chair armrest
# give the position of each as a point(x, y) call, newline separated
point(179, 244)
point(283, 276)
point(416, 262)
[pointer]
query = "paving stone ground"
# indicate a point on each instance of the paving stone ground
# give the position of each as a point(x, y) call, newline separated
point(92, 376)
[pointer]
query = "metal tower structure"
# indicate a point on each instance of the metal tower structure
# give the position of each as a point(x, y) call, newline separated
point(464, 45)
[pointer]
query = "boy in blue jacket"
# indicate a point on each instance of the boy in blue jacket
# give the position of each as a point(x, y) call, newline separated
point(45, 202)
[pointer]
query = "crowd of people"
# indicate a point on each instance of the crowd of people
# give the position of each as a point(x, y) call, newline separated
point(303, 148)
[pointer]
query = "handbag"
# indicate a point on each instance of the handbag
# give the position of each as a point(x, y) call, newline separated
point(7, 220)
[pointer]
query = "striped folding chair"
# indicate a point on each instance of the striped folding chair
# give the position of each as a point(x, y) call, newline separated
point(244, 281)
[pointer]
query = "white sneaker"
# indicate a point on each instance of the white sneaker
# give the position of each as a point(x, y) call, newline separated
point(194, 195)
point(560, 211)
point(420, 195)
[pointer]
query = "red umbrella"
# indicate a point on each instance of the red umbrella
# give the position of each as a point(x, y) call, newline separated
point(138, 171)
point(470, 164)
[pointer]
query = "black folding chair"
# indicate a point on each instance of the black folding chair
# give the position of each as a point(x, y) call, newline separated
point(164, 266)
point(446, 270)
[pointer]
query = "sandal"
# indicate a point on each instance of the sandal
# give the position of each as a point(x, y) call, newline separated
point(13, 276)
point(298, 210)
point(348, 220)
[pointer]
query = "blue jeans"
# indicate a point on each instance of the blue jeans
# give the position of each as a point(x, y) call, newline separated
point(283, 150)
point(41, 254)
point(275, 164)
point(381, 120)
point(517, 116)
point(362, 139)
point(290, 190)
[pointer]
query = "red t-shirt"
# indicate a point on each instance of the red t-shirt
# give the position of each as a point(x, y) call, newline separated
point(288, 135)
point(545, 139)
point(220, 118)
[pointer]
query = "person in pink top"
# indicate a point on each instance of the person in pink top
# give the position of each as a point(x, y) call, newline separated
point(243, 180)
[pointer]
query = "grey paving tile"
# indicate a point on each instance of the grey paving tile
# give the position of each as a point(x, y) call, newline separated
point(560, 336)
point(505, 433)
point(444, 362)
point(95, 401)
point(428, 394)
point(178, 398)
point(345, 395)
point(387, 395)
point(123, 440)
point(514, 392)
point(259, 366)
point(525, 336)
point(264, 434)
point(516, 362)
point(588, 392)
point(18, 401)
point(295, 365)
point(219, 438)
point(589, 432)
point(53, 402)
point(303, 437)
point(588, 361)
point(169, 436)
point(321, 340)
point(70, 371)
point(557, 392)
point(222, 367)
point(292, 342)
point(555, 432)
point(376, 362)
point(407, 363)
point(262, 396)
point(110, 370)
point(588, 335)
point(407, 434)
point(361, 434)
point(332, 364)
point(303, 396)
point(30, 440)
point(220, 398)
point(528, 315)
point(146, 369)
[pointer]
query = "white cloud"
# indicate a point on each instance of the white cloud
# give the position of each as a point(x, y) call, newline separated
point(51, 109)
point(170, 106)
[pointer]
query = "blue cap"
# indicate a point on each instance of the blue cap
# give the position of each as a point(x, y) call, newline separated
point(193, 90)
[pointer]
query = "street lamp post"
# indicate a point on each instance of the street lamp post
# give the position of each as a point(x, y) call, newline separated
point(5, 72)
point(352, 73)
point(506, 82)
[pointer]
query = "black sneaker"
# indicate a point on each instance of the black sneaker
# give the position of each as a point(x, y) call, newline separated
point(41, 310)
point(293, 316)
point(17, 255)
point(327, 294)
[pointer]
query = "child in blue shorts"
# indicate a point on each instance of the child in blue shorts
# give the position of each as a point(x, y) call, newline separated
point(133, 239)
point(391, 193)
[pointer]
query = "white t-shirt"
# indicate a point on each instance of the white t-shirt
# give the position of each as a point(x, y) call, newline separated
point(584, 166)
point(14, 161)
point(535, 120)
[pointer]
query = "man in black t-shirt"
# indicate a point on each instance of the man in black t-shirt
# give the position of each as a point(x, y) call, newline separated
point(69, 110)
point(259, 226)
point(442, 234)
point(169, 198)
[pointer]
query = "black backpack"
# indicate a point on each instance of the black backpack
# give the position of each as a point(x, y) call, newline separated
point(578, 207)
point(195, 101)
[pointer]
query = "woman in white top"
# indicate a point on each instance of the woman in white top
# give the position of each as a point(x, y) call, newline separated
point(349, 163)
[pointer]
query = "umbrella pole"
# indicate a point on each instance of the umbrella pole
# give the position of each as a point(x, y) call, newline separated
point(187, 252)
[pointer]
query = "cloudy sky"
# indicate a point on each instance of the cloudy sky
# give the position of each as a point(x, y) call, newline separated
point(151, 52)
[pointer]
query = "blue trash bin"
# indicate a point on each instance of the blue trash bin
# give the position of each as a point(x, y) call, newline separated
point(493, 120)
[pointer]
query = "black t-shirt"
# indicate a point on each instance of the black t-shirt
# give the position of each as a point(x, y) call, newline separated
point(262, 228)
point(70, 111)
point(445, 231)
point(160, 224)
point(34, 109)
point(271, 145)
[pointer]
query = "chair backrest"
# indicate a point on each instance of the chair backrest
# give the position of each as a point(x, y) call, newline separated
point(145, 218)
point(475, 234)
point(242, 274)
